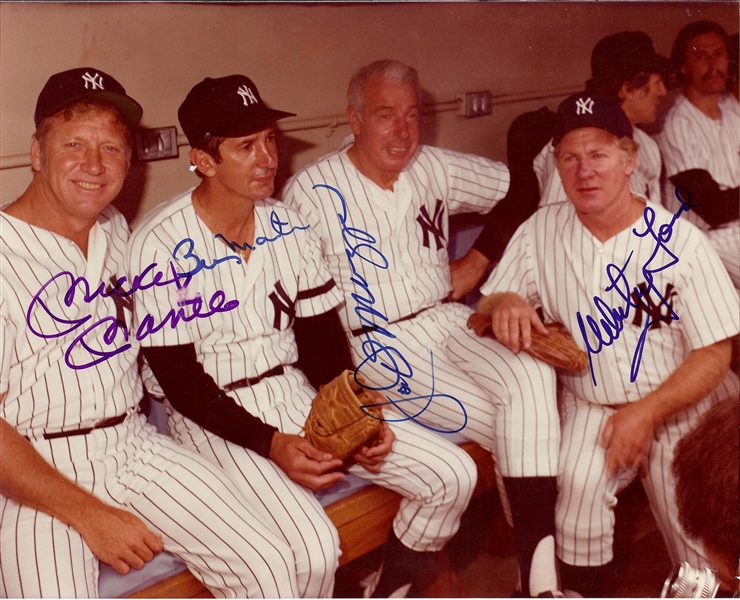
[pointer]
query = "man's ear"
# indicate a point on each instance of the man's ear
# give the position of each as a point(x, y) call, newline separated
point(203, 161)
point(355, 122)
point(623, 92)
point(35, 153)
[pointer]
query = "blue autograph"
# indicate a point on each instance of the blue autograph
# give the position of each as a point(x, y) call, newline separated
point(359, 245)
point(612, 319)
point(109, 336)
point(277, 227)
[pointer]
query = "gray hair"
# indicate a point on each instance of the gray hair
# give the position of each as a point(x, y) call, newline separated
point(381, 69)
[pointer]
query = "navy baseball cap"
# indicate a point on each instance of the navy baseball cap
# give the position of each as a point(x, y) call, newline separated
point(591, 109)
point(225, 107)
point(623, 55)
point(70, 86)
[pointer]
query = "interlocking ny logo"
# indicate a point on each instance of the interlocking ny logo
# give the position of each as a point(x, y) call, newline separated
point(247, 93)
point(282, 303)
point(584, 106)
point(432, 225)
point(95, 80)
point(655, 311)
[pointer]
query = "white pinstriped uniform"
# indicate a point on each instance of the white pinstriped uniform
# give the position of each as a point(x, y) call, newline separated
point(555, 262)
point(692, 140)
point(644, 181)
point(509, 399)
point(202, 516)
point(436, 479)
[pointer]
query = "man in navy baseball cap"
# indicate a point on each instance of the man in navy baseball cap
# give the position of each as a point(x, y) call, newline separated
point(225, 107)
point(591, 109)
point(62, 89)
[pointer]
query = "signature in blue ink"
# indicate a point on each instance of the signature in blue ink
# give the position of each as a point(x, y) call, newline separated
point(611, 323)
point(404, 389)
point(277, 226)
point(359, 246)
point(109, 336)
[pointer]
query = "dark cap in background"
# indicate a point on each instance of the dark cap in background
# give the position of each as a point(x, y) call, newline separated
point(225, 107)
point(591, 109)
point(623, 55)
point(84, 83)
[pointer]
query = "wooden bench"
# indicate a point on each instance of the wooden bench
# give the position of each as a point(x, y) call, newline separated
point(363, 520)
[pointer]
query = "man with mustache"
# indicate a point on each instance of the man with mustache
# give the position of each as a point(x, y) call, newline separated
point(701, 139)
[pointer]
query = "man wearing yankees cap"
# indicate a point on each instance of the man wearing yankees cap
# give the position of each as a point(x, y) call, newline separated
point(83, 476)
point(239, 379)
point(625, 66)
point(644, 294)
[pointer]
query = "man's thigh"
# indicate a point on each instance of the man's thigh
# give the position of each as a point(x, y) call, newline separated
point(288, 509)
point(436, 479)
point(41, 557)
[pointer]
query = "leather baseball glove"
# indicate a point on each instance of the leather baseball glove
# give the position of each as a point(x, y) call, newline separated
point(557, 349)
point(337, 424)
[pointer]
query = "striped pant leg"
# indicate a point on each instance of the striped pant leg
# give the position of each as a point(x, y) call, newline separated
point(660, 490)
point(436, 479)
point(41, 557)
point(505, 402)
point(584, 513)
point(289, 509)
point(726, 242)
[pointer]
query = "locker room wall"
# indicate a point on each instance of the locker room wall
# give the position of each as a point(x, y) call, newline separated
point(301, 57)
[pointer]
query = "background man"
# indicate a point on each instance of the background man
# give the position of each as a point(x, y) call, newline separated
point(701, 139)
point(706, 467)
point(380, 206)
point(625, 66)
point(83, 476)
point(261, 258)
point(654, 315)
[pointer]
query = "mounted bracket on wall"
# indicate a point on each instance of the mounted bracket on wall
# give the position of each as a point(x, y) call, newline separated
point(475, 104)
point(153, 144)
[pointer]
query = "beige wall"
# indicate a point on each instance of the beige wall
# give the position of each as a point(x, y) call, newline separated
point(301, 57)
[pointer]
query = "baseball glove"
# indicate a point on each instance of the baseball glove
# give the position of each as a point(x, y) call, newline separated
point(557, 349)
point(337, 424)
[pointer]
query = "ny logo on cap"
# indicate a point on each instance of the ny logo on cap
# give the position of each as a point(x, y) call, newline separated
point(245, 93)
point(584, 106)
point(95, 80)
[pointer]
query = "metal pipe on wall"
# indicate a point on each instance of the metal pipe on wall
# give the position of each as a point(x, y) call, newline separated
point(16, 161)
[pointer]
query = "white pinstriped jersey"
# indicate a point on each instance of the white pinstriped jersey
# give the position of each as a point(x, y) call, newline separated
point(281, 280)
point(692, 140)
point(644, 181)
point(555, 262)
point(43, 392)
point(408, 225)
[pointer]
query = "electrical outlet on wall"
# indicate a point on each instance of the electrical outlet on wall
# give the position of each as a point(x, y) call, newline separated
point(153, 144)
point(475, 104)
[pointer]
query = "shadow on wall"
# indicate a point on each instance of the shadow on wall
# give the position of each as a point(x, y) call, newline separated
point(132, 193)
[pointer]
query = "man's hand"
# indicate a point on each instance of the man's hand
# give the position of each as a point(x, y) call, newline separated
point(627, 436)
point(512, 320)
point(304, 463)
point(371, 457)
point(119, 538)
point(466, 272)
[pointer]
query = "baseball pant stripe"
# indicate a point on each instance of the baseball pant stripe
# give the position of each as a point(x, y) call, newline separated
point(436, 480)
point(291, 509)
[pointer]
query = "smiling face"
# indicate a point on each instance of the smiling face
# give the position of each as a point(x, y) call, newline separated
point(81, 163)
point(595, 172)
point(641, 105)
point(706, 63)
point(387, 131)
